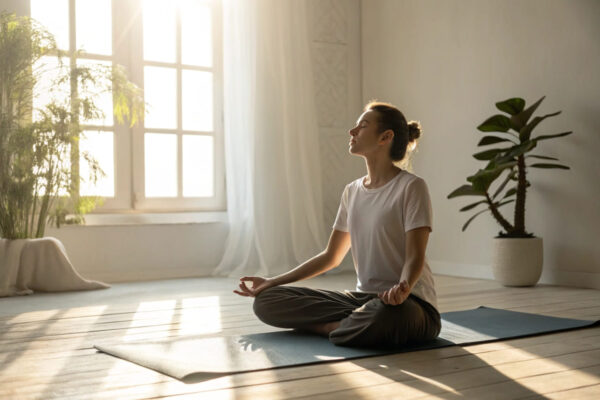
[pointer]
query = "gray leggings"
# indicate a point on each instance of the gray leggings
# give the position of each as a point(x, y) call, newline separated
point(365, 321)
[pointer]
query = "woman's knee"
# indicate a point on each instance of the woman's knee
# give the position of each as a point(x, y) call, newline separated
point(263, 300)
point(379, 324)
point(267, 302)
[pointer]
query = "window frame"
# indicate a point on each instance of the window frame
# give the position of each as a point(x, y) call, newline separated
point(128, 142)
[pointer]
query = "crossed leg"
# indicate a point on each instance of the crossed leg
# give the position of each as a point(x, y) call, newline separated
point(348, 318)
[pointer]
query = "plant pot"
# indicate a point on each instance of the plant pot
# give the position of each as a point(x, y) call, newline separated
point(517, 261)
point(10, 260)
point(28, 265)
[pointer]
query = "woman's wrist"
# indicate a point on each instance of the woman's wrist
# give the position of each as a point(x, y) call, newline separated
point(274, 281)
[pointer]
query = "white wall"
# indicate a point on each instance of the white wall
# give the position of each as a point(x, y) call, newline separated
point(143, 252)
point(446, 63)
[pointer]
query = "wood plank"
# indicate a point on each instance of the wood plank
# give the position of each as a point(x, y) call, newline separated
point(48, 353)
point(362, 370)
point(591, 392)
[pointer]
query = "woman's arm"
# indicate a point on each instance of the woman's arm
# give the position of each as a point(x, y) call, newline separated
point(416, 244)
point(331, 257)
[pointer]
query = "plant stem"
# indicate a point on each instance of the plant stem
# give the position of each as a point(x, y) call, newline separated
point(499, 218)
point(521, 193)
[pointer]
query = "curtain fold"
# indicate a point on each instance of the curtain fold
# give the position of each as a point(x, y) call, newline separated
point(273, 173)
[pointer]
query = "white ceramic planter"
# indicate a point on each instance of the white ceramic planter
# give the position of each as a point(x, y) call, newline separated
point(517, 261)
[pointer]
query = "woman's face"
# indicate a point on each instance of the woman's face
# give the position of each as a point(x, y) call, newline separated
point(364, 137)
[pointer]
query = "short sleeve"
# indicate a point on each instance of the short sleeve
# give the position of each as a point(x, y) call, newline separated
point(341, 220)
point(417, 208)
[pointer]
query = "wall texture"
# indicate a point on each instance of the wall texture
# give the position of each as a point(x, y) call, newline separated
point(335, 26)
point(446, 63)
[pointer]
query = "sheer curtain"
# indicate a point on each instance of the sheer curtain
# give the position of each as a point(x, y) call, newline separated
point(274, 199)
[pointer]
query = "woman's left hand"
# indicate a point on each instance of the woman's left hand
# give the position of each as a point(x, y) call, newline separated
point(396, 294)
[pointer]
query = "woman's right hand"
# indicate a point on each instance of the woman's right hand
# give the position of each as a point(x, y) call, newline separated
point(258, 285)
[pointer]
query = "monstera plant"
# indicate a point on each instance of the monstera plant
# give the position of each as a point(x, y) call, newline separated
point(503, 180)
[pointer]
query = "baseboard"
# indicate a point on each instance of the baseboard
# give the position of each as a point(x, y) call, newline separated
point(590, 280)
point(461, 269)
point(580, 279)
point(135, 275)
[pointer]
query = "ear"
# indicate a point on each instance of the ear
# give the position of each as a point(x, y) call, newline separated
point(386, 136)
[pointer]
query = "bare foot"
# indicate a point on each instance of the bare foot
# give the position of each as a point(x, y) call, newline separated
point(323, 329)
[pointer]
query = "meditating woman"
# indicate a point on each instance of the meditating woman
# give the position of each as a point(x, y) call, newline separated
point(385, 219)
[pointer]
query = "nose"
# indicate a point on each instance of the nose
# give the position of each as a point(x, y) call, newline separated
point(352, 131)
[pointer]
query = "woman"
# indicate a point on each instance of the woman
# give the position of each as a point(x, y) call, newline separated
point(385, 218)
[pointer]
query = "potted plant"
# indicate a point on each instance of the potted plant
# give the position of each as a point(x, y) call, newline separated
point(517, 254)
point(39, 146)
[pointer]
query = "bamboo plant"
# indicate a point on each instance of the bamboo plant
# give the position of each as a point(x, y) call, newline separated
point(513, 131)
point(39, 146)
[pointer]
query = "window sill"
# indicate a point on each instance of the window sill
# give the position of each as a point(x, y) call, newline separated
point(163, 218)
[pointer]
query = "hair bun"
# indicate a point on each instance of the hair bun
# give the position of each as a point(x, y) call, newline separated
point(414, 131)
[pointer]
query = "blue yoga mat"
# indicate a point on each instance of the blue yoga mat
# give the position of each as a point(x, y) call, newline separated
point(196, 358)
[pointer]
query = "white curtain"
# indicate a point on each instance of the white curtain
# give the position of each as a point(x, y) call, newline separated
point(274, 200)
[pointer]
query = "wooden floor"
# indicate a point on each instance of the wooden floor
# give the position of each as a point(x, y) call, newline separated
point(46, 347)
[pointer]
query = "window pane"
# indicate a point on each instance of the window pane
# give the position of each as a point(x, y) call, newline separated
point(197, 98)
point(54, 15)
point(198, 170)
point(96, 91)
point(196, 33)
point(94, 26)
point(160, 91)
point(100, 146)
point(159, 30)
point(160, 164)
point(49, 87)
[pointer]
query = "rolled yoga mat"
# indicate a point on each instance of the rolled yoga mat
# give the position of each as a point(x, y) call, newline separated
point(196, 358)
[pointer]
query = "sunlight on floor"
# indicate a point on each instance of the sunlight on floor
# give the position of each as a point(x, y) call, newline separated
point(32, 316)
point(155, 313)
point(52, 325)
point(541, 368)
point(200, 315)
point(431, 382)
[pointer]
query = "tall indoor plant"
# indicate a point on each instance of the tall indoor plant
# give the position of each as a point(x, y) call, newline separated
point(39, 151)
point(39, 147)
point(518, 253)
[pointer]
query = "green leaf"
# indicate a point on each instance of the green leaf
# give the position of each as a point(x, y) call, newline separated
point(544, 137)
point(473, 205)
point(549, 166)
point(513, 190)
point(504, 202)
point(484, 177)
point(509, 176)
point(488, 154)
point(472, 218)
point(518, 150)
point(511, 106)
point(541, 157)
point(491, 140)
point(519, 120)
point(465, 190)
point(481, 212)
point(525, 132)
point(498, 205)
point(496, 123)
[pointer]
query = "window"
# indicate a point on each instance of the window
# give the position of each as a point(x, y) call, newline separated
point(174, 161)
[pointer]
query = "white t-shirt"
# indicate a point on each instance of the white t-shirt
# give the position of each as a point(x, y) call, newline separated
point(378, 220)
